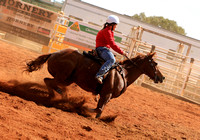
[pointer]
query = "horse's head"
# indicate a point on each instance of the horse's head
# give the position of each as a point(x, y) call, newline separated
point(146, 65)
point(150, 69)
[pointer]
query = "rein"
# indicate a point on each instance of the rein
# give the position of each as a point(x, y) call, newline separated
point(130, 60)
point(134, 64)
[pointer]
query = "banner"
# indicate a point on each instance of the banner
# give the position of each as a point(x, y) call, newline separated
point(84, 34)
point(27, 20)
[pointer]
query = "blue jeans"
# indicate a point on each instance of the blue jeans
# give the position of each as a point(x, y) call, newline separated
point(109, 58)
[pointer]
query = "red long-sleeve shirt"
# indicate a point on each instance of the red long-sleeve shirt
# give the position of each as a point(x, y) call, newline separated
point(105, 38)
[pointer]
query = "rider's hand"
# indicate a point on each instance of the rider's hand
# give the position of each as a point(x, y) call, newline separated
point(125, 54)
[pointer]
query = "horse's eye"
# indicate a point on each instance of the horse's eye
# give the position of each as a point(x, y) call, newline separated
point(156, 64)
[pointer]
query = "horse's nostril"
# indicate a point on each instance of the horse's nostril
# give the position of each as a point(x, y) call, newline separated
point(163, 78)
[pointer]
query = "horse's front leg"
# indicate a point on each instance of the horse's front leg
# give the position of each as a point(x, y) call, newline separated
point(101, 104)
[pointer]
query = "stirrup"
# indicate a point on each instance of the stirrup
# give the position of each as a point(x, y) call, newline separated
point(99, 79)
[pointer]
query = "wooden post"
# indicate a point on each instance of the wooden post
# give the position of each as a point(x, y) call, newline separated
point(133, 36)
point(138, 37)
point(153, 47)
point(187, 53)
point(180, 48)
point(181, 68)
point(141, 33)
point(188, 50)
point(187, 77)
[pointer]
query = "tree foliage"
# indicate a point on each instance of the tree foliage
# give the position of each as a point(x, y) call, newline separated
point(160, 21)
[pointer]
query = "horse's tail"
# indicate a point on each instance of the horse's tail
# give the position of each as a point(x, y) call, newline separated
point(36, 64)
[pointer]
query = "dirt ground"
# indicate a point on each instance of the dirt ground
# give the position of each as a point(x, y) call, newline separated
point(26, 113)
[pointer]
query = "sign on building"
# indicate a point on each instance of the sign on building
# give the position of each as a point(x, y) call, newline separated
point(27, 21)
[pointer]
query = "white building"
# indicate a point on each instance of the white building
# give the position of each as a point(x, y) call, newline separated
point(155, 35)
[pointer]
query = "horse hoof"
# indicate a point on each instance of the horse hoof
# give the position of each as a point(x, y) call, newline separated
point(91, 110)
point(98, 115)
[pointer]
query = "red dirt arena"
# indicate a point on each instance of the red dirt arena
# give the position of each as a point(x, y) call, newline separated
point(140, 113)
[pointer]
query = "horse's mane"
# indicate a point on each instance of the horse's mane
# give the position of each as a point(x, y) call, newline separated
point(134, 59)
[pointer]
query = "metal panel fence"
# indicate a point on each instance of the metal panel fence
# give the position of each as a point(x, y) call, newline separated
point(182, 74)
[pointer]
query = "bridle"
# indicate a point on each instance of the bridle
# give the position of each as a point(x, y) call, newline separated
point(151, 64)
point(135, 64)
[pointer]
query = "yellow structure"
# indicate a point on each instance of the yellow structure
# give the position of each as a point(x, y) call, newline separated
point(56, 41)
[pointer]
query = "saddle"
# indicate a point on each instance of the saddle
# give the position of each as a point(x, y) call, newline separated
point(94, 56)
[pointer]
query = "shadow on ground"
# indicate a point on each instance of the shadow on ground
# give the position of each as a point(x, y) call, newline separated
point(38, 93)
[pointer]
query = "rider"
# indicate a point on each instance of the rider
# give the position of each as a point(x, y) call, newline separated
point(105, 41)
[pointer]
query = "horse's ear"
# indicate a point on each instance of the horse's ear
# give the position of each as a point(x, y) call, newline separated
point(151, 54)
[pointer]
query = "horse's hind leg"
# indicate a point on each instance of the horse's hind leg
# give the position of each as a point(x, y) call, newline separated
point(51, 86)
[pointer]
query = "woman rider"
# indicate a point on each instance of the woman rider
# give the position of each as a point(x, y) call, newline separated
point(105, 41)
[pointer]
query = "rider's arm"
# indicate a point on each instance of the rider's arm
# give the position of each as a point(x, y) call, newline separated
point(110, 40)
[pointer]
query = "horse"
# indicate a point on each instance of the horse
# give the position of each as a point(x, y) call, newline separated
point(70, 66)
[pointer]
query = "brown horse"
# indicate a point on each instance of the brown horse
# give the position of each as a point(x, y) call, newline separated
point(69, 66)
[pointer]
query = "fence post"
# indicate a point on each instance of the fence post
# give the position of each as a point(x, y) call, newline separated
point(153, 47)
point(187, 77)
point(141, 33)
point(133, 35)
point(138, 37)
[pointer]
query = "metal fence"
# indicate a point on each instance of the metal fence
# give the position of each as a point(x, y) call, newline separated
point(182, 73)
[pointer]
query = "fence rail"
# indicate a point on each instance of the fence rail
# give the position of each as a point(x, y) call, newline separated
point(182, 76)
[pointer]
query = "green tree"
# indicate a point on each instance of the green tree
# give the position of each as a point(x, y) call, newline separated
point(160, 21)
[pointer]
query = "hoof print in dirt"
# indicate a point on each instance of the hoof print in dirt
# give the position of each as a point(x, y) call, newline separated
point(109, 119)
point(87, 128)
